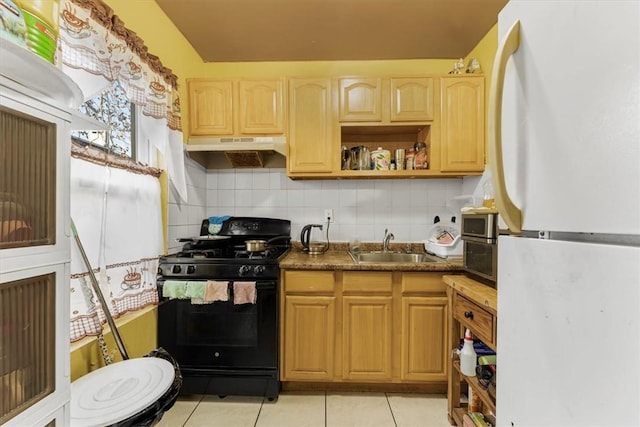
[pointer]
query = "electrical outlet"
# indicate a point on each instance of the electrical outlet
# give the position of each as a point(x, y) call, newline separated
point(328, 215)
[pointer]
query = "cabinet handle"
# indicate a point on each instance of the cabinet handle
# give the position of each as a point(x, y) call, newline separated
point(468, 314)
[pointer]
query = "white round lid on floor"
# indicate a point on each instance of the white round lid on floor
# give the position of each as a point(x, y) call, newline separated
point(119, 391)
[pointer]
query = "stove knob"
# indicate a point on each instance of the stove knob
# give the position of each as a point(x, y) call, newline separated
point(244, 270)
point(176, 269)
point(191, 269)
point(259, 269)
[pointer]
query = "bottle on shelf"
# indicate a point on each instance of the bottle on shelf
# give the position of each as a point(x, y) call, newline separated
point(468, 357)
point(420, 161)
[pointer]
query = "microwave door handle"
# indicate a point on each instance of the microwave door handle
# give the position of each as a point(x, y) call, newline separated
point(510, 213)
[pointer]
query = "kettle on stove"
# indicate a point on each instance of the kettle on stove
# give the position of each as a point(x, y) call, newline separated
point(310, 245)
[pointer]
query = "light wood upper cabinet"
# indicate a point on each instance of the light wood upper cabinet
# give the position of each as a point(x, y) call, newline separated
point(462, 122)
point(313, 127)
point(210, 107)
point(236, 107)
point(411, 99)
point(386, 100)
point(360, 99)
point(261, 106)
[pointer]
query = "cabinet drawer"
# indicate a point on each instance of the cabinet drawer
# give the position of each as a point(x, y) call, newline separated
point(367, 281)
point(308, 281)
point(474, 317)
point(423, 282)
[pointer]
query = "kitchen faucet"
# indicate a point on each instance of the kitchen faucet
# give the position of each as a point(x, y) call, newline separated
point(385, 242)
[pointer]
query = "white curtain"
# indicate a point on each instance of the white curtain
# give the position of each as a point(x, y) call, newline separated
point(97, 49)
point(169, 143)
point(118, 217)
point(117, 212)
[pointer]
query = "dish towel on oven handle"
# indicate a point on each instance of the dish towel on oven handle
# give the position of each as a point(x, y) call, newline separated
point(216, 291)
point(174, 289)
point(195, 289)
point(244, 292)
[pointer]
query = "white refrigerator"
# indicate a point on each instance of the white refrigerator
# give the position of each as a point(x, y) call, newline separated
point(564, 143)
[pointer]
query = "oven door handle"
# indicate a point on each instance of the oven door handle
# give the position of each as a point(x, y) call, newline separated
point(479, 239)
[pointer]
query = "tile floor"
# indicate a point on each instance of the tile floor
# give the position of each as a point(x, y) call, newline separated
point(311, 409)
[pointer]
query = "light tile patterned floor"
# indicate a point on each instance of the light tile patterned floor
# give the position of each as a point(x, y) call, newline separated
point(311, 409)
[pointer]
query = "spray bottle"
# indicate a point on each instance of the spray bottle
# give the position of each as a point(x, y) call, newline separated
point(468, 357)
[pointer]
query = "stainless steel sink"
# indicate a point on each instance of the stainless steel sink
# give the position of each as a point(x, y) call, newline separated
point(371, 257)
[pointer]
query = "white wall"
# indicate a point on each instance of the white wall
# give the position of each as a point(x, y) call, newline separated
point(362, 208)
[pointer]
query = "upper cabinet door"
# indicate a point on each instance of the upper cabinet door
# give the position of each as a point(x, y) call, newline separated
point(312, 126)
point(462, 123)
point(261, 106)
point(360, 99)
point(411, 99)
point(210, 107)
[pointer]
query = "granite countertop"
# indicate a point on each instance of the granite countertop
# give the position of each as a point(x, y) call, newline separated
point(338, 258)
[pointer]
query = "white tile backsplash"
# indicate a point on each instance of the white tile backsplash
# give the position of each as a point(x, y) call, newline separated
point(362, 209)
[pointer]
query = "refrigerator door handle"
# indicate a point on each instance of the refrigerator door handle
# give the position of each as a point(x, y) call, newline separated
point(510, 213)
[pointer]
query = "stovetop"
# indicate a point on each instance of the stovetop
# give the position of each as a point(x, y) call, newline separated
point(226, 257)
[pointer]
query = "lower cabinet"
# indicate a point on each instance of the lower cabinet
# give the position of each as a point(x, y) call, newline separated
point(366, 338)
point(309, 331)
point(425, 317)
point(424, 322)
point(308, 325)
point(364, 326)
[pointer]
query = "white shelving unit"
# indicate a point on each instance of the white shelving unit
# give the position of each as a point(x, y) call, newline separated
point(36, 95)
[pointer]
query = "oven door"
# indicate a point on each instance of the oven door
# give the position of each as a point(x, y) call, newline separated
point(222, 335)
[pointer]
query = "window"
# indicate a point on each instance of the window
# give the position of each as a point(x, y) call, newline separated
point(111, 107)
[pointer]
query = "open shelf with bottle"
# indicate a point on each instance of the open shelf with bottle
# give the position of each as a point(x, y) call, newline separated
point(474, 307)
point(473, 382)
point(387, 137)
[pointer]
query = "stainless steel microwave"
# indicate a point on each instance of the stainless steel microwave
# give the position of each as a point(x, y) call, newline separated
point(480, 254)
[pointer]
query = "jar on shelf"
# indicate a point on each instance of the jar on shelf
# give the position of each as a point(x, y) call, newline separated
point(381, 159)
point(421, 160)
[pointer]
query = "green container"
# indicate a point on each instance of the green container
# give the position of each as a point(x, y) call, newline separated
point(42, 38)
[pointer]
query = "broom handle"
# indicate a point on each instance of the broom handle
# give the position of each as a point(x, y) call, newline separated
point(98, 291)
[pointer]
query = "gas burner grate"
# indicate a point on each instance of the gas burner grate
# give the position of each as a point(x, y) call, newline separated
point(201, 253)
point(252, 254)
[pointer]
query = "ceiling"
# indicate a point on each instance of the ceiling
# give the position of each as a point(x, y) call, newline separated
point(308, 30)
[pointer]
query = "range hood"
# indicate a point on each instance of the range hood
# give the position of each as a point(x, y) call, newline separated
point(238, 152)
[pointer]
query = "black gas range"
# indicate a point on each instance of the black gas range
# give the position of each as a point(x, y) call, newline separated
point(224, 347)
